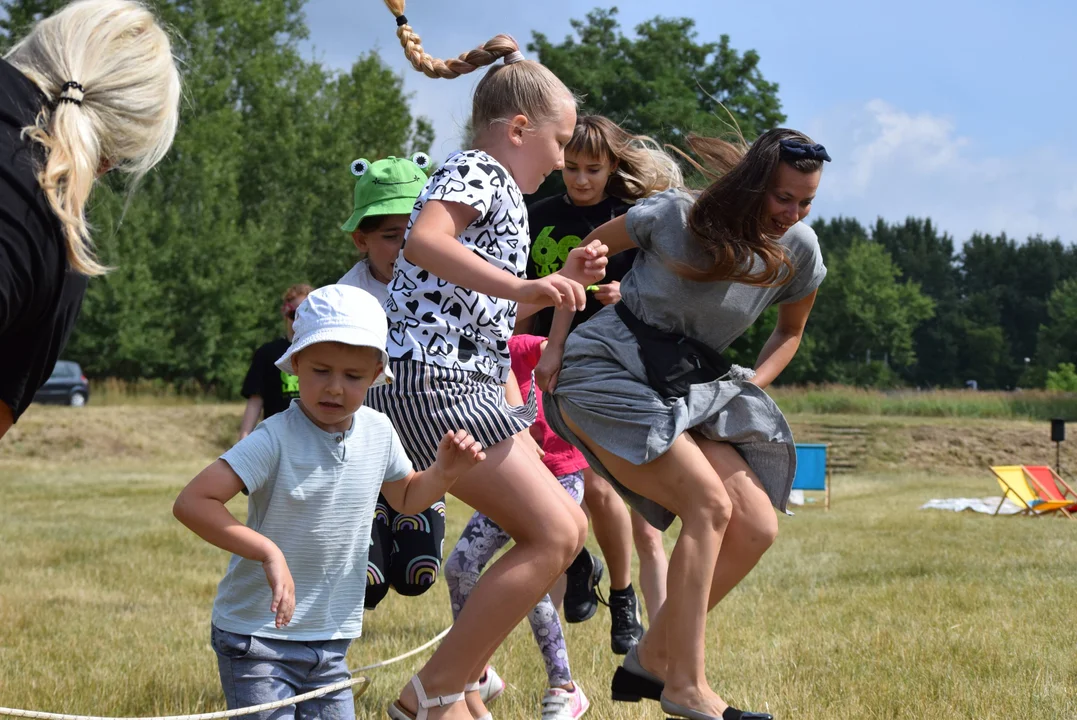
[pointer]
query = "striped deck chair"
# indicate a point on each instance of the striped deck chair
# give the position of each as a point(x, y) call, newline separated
point(1014, 483)
point(1051, 486)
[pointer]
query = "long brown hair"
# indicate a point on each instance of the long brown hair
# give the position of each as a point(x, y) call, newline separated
point(518, 86)
point(642, 168)
point(726, 217)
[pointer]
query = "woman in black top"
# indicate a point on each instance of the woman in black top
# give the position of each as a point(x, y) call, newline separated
point(90, 89)
point(606, 170)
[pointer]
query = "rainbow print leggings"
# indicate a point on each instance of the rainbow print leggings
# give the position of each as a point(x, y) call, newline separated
point(405, 551)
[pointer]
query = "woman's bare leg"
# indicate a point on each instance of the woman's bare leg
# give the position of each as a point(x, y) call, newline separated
point(683, 481)
point(752, 529)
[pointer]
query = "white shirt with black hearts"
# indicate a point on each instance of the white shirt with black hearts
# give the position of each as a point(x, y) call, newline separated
point(436, 322)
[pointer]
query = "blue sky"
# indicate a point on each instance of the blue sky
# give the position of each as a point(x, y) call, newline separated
point(958, 110)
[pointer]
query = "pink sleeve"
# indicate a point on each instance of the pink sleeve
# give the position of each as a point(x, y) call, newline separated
point(526, 351)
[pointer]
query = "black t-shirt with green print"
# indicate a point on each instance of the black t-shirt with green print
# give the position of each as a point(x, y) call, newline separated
point(276, 387)
point(558, 226)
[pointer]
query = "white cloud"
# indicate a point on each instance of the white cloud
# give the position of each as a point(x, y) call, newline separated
point(891, 163)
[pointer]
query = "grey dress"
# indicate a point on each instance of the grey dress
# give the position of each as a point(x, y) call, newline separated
point(603, 386)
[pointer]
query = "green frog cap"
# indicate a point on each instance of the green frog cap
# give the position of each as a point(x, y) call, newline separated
point(386, 187)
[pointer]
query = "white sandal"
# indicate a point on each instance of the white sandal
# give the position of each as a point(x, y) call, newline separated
point(396, 712)
point(474, 687)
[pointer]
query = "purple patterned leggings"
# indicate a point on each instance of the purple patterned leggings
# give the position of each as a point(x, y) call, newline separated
point(482, 537)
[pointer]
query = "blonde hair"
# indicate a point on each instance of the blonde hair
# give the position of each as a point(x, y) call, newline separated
point(113, 88)
point(296, 291)
point(517, 87)
point(642, 168)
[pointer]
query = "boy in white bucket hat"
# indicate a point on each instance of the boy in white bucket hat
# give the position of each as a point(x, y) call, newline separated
point(294, 588)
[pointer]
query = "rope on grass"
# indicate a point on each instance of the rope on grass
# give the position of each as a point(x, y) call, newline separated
point(361, 681)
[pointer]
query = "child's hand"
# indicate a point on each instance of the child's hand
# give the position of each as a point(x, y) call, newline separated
point(457, 453)
point(557, 290)
point(283, 587)
point(608, 294)
point(547, 370)
point(587, 264)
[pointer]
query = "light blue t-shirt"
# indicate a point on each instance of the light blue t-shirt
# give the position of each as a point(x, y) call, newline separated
point(312, 493)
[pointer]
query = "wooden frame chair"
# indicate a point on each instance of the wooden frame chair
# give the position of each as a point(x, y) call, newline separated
point(1050, 485)
point(1013, 480)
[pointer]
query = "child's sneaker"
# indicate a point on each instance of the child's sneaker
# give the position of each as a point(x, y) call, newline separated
point(558, 704)
point(490, 685)
point(626, 628)
point(581, 593)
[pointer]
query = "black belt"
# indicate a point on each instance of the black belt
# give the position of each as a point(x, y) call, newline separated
point(673, 362)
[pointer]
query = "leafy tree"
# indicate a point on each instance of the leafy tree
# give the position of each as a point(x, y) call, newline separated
point(838, 234)
point(20, 15)
point(984, 356)
point(927, 257)
point(864, 313)
point(1057, 337)
point(1064, 379)
point(664, 82)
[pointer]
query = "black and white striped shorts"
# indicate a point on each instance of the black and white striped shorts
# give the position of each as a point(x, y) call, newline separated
point(425, 401)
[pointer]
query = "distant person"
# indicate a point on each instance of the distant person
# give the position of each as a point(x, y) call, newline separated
point(90, 89)
point(292, 599)
point(268, 389)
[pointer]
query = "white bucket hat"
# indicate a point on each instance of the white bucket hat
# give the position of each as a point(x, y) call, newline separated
point(343, 314)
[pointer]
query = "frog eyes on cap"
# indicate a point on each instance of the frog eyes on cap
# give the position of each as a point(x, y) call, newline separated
point(359, 167)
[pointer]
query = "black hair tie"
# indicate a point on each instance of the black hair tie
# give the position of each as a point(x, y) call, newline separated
point(402, 20)
point(65, 98)
point(796, 150)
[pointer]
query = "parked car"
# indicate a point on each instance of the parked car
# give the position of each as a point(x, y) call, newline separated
point(66, 386)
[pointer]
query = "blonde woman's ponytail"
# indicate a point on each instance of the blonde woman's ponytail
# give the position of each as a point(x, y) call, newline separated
point(107, 69)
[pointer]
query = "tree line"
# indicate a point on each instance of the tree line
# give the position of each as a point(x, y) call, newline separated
point(251, 197)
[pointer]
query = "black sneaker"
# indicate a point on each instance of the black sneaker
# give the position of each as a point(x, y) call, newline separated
point(625, 626)
point(581, 594)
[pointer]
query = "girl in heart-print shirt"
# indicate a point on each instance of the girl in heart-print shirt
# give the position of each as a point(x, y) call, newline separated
point(458, 287)
point(432, 320)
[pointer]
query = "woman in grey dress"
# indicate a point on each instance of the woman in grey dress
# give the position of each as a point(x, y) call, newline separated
point(644, 392)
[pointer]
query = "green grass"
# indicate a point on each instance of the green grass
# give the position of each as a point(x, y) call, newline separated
point(147, 392)
point(843, 400)
point(873, 610)
point(818, 400)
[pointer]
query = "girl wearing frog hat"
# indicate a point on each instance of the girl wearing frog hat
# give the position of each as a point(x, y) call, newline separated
point(405, 550)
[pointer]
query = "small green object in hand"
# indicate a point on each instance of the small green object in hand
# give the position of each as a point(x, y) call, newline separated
point(592, 288)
